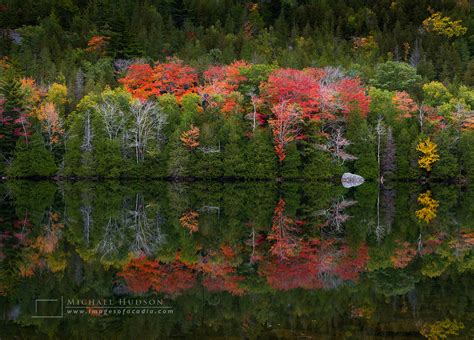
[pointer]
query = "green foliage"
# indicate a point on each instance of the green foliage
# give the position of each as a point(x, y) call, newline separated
point(32, 158)
point(466, 146)
point(290, 167)
point(261, 156)
point(376, 43)
point(448, 165)
point(395, 76)
point(363, 147)
point(13, 106)
point(406, 156)
point(233, 157)
point(436, 93)
point(319, 165)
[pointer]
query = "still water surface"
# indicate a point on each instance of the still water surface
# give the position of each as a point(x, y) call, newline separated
point(155, 260)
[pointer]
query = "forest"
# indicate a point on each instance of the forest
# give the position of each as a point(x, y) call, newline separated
point(194, 89)
point(192, 152)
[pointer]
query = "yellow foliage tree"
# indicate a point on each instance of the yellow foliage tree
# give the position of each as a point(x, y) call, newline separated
point(429, 207)
point(430, 155)
point(441, 25)
point(441, 329)
point(57, 94)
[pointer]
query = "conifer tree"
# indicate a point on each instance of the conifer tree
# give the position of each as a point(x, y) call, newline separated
point(32, 158)
point(261, 156)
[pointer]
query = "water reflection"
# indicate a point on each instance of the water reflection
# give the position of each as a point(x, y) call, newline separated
point(235, 259)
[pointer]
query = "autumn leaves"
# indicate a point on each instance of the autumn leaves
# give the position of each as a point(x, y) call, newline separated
point(286, 100)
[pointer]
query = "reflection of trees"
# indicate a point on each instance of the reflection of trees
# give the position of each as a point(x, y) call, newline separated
point(392, 282)
point(319, 264)
point(147, 235)
point(283, 229)
point(385, 213)
point(136, 231)
point(441, 329)
point(429, 207)
point(335, 217)
point(112, 239)
point(86, 214)
point(142, 274)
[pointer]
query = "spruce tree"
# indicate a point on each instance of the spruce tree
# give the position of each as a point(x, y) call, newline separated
point(233, 158)
point(261, 158)
point(318, 165)
point(290, 166)
point(466, 149)
point(13, 107)
point(363, 147)
point(32, 158)
point(448, 165)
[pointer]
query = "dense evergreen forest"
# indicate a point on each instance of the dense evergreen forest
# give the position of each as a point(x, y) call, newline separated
point(236, 89)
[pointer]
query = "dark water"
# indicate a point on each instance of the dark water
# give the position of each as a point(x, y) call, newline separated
point(235, 260)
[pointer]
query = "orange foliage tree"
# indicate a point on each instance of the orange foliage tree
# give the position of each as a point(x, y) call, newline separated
point(221, 84)
point(405, 104)
point(190, 138)
point(189, 220)
point(50, 122)
point(172, 77)
point(97, 44)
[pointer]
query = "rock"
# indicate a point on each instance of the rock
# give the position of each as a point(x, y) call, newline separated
point(349, 180)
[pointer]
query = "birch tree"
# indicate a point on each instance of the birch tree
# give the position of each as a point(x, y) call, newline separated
point(148, 122)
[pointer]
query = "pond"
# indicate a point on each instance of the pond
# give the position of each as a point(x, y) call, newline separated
point(155, 260)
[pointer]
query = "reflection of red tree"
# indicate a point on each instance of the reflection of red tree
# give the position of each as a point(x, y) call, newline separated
point(297, 272)
point(404, 255)
point(283, 227)
point(220, 272)
point(465, 240)
point(227, 283)
point(318, 264)
point(432, 243)
point(351, 263)
point(173, 278)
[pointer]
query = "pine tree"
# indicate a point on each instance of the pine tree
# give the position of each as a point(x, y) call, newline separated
point(388, 165)
point(318, 165)
point(233, 158)
point(466, 147)
point(32, 158)
point(13, 107)
point(363, 147)
point(261, 156)
point(179, 158)
point(448, 164)
point(406, 155)
point(290, 167)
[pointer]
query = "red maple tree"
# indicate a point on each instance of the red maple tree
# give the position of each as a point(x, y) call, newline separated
point(285, 124)
point(293, 87)
point(221, 84)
